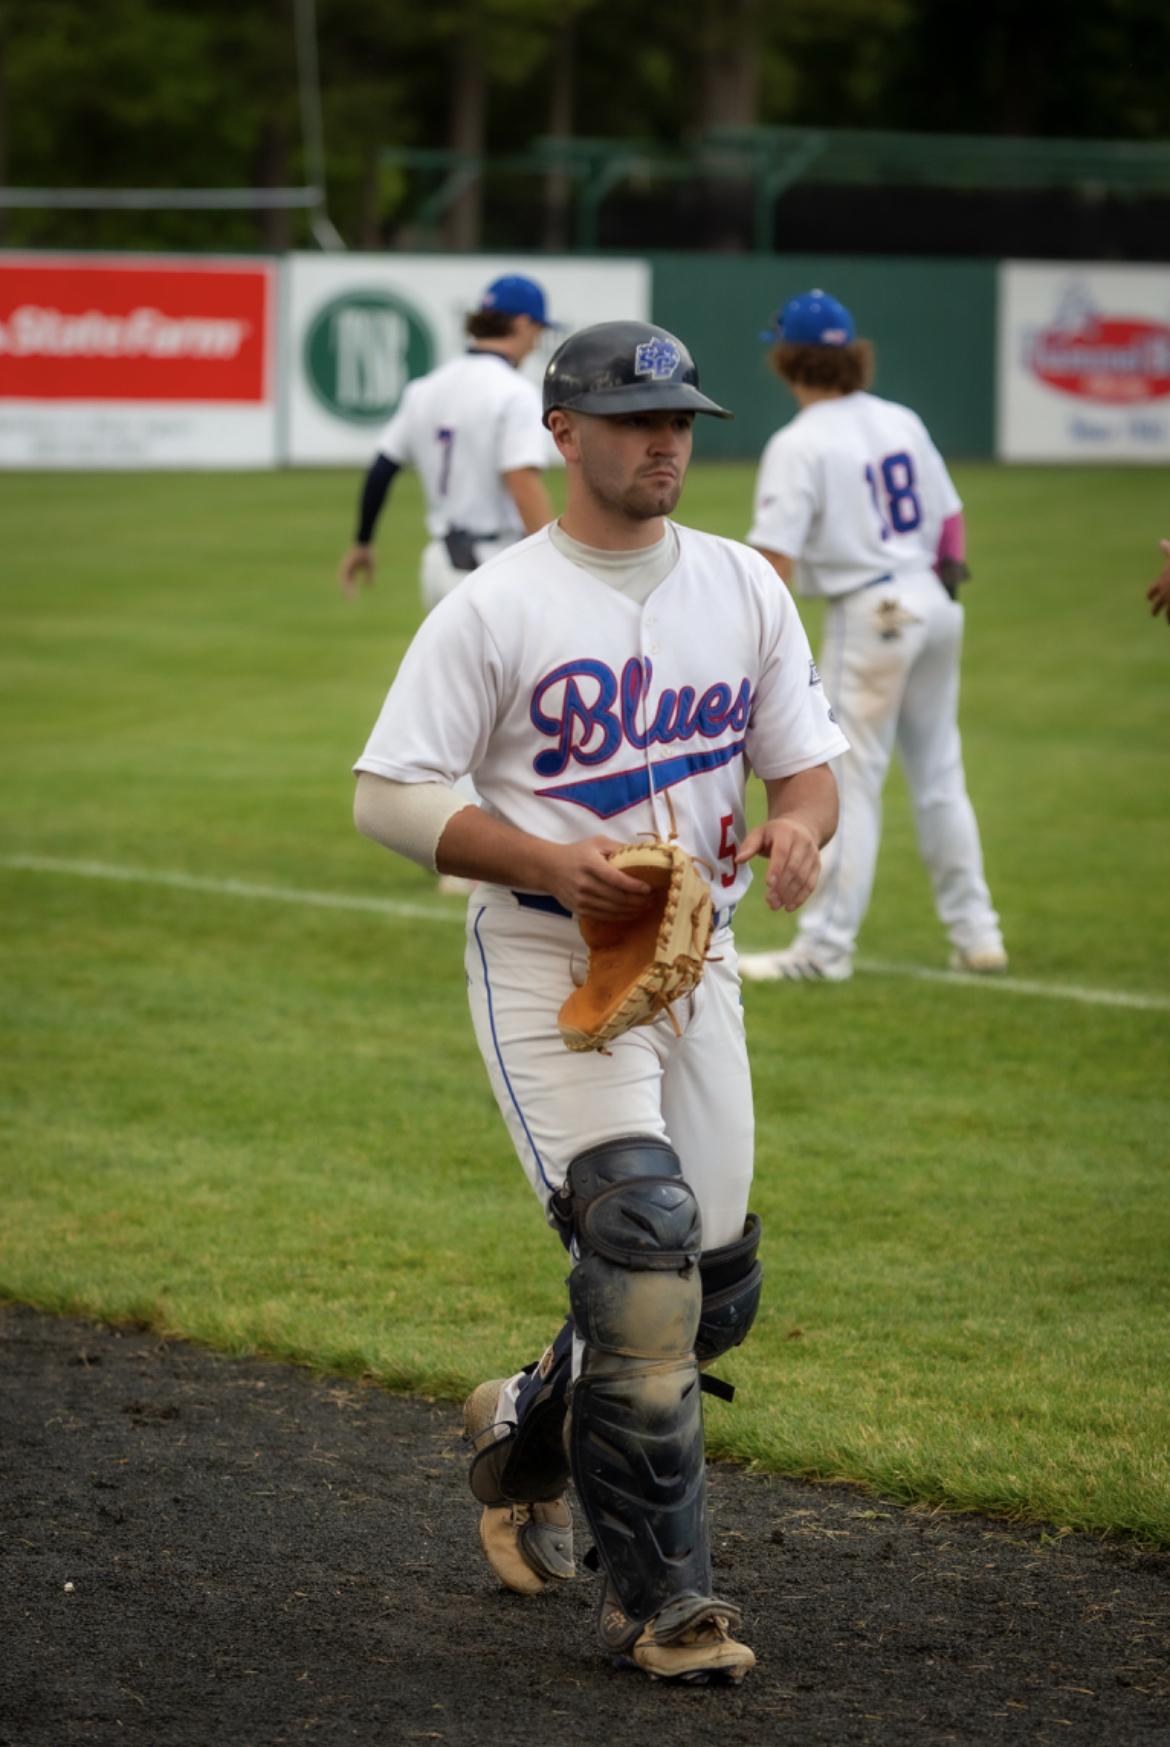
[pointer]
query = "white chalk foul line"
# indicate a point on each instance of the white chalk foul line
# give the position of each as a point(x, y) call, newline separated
point(1018, 986)
point(100, 870)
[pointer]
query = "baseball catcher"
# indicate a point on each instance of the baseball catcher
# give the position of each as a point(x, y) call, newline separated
point(607, 682)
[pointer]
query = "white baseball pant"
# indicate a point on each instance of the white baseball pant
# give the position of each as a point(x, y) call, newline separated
point(890, 666)
point(693, 1091)
point(437, 576)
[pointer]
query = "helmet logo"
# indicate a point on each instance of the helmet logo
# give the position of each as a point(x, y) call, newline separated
point(658, 358)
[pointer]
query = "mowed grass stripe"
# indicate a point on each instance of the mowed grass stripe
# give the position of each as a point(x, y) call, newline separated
point(98, 870)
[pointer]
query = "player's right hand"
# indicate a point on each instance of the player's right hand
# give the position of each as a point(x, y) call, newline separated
point(358, 563)
point(587, 884)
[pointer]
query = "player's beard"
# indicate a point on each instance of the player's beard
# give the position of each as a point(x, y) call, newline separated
point(638, 498)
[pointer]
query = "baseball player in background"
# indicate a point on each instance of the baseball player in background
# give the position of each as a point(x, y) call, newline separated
point(1158, 593)
point(473, 429)
point(584, 676)
point(855, 502)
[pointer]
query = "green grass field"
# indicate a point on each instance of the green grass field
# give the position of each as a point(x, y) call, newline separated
point(265, 1126)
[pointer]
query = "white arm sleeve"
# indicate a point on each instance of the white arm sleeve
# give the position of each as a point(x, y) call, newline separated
point(408, 818)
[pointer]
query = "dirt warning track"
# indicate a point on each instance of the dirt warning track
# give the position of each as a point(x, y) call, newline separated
point(258, 1557)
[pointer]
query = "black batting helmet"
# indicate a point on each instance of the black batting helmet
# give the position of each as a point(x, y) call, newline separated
point(624, 366)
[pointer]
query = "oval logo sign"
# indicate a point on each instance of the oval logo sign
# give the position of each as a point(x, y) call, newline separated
point(1112, 359)
point(361, 350)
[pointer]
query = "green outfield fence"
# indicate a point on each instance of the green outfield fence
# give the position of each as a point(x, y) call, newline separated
point(932, 321)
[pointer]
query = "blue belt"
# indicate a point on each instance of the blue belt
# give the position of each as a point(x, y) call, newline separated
point(539, 901)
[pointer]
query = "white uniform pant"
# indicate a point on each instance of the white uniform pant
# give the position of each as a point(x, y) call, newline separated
point(437, 576)
point(693, 1091)
point(891, 673)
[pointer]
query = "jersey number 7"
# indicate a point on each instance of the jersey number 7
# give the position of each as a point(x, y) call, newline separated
point(445, 437)
point(901, 499)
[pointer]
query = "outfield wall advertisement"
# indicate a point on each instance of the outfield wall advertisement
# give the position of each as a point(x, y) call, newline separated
point(137, 361)
point(358, 327)
point(1084, 362)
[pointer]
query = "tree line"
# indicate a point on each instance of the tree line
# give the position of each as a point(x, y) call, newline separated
point(203, 93)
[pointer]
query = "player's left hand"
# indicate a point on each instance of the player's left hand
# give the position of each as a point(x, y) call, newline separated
point(794, 861)
point(357, 565)
point(1159, 592)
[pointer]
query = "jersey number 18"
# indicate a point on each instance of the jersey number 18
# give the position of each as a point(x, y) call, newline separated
point(902, 505)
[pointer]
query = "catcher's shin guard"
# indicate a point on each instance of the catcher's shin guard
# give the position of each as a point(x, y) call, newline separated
point(525, 1462)
point(731, 1278)
point(636, 1425)
point(519, 1472)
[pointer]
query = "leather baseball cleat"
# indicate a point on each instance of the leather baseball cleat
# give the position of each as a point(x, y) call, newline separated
point(985, 961)
point(528, 1546)
point(693, 1649)
point(797, 963)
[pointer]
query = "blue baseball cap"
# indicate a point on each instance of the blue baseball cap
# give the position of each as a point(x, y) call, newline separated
point(813, 319)
point(515, 295)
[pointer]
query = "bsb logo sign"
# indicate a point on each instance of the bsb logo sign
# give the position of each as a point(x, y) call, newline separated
point(1112, 359)
point(88, 332)
point(360, 352)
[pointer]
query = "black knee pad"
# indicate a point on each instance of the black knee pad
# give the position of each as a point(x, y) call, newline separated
point(614, 1162)
point(732, 1279)
point(635, 1290)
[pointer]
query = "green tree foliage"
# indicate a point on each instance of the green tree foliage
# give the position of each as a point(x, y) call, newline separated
point(1088, 68)
point(203, 93)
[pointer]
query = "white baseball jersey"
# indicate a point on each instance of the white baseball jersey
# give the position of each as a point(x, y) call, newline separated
point(855, 491)
point(462, 426)
point(577, 709)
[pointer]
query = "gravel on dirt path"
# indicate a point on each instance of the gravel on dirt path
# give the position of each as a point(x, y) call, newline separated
point(195, 1549)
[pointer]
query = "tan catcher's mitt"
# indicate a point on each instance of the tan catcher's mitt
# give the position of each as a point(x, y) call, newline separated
point(638, 966)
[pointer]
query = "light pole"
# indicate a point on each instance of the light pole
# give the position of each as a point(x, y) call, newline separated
point(312, 131)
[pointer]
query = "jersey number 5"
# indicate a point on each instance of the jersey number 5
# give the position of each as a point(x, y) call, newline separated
point(905, 511)
point(727, 848)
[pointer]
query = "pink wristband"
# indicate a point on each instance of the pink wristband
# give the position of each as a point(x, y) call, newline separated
point(952, 542)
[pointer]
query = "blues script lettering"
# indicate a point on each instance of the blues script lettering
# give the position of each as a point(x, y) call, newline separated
point(589, 729)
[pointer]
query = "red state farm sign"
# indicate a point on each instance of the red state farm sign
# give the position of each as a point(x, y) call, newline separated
point(1116, 360)
point(89, 332)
